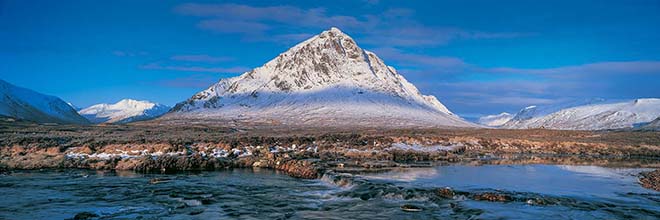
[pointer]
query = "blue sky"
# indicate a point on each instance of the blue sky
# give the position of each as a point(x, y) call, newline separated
point(477, 57)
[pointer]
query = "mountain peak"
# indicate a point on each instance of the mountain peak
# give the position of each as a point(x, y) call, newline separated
point(128, 101)
point(335, 29)
point(124, 111)
point(333, 32)
point(135, 103)
point(328, 72)
point(495, 120)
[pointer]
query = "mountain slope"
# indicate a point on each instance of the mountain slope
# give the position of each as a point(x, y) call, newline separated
point(124, 111)
point(22, 103)
point(653, 125)
point(495, 120)
point(592, 117)
point(533, 111)
point(325, 80)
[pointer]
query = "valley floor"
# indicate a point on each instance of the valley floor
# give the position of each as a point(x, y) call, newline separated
point(309, 152)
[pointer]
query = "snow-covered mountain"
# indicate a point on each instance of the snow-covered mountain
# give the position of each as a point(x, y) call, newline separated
point(22, 103)
point(653, 125)
point(616, 115)
point(327, 80)
point(495, 120)
point(124, 111)
point(534, 111)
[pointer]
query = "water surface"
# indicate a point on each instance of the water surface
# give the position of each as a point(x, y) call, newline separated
point(572, 192)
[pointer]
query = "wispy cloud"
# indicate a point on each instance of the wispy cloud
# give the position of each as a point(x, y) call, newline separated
point(224, 14)
point(590, 69)
point(414, 34)
point(201, 58)
point(448, 64)
point(192, 81)
point(157, 66)
point(438, 63)
point(233, 26)
point(393, 27)
point(121, 53)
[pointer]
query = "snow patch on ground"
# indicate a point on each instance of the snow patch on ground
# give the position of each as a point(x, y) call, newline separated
point(420, 148)
point(121, 154)
point(245, 151)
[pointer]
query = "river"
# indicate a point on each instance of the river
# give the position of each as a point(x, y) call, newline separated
point(531, 192)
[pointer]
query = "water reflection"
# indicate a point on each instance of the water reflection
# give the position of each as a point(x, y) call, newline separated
point(407, 175)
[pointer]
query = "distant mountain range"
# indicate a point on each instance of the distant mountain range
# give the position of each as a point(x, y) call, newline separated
point(596, 114)
point(495, 120)
point(327, 80)
point(653, 125)
point(22, 103)
point(124, 111)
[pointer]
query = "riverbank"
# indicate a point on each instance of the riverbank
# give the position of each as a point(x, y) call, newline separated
point(310, 152)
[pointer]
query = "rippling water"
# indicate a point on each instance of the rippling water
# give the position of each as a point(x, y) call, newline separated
point(570, 192)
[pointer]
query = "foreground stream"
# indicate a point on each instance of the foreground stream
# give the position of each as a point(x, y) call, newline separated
point(531, 192)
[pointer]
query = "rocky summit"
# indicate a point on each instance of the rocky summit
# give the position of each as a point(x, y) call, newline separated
point(327, 80)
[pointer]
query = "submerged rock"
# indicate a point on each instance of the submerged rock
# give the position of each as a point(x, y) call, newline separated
point(411, 208)
point(650, 180)
point(4, 171)
point(159, 180)
point(493, 197)
point(446, 193)
point(85, 216)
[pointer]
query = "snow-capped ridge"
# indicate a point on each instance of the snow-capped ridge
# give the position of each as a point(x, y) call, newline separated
point(495, 120)
point(322, 75)
point(124, 111)
point(593, 116)
point(26, 104)
point(644, 101)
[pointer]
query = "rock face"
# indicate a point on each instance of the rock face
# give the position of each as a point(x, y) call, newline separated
point(25, 104)
point(617, 115)
point(495, 120)
point(326, 80)
point(124, 111)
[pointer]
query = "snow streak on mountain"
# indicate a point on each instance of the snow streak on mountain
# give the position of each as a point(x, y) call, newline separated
point(326, 80)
